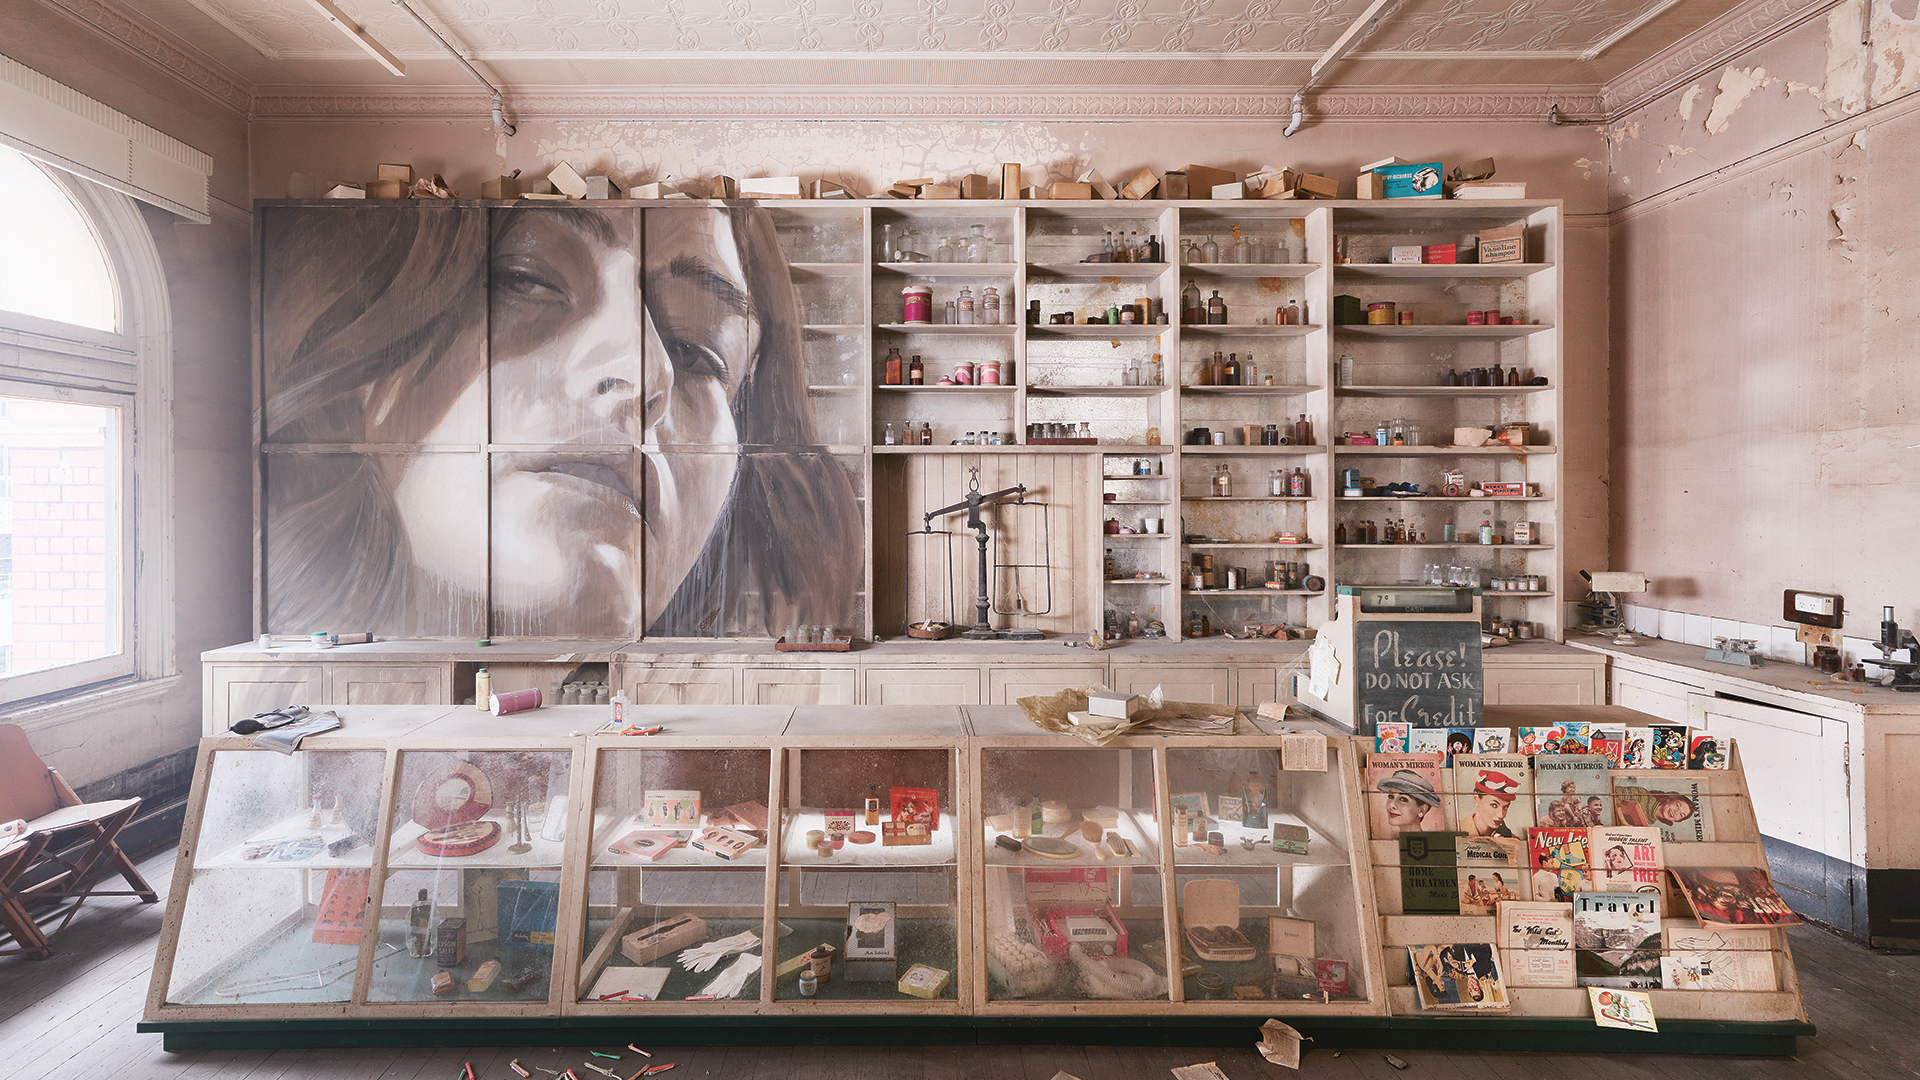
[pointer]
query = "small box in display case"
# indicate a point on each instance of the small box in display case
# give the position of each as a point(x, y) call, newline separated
point(450, 943)
point(924, 982)
point(872, 942)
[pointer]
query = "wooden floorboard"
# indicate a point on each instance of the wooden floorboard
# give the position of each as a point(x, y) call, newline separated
point(74, 1014)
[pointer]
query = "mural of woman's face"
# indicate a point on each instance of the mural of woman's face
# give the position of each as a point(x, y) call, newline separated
point(583, 357)
point(703, 337)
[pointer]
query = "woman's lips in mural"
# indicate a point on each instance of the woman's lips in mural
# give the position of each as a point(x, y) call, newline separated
point(598, 475)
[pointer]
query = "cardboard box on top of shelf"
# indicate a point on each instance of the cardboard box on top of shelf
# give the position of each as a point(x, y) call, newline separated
point(1202, 179)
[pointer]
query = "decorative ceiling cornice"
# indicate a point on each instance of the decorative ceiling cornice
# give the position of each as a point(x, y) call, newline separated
point(1720, 41)
point(914, 103)
point(139, 37)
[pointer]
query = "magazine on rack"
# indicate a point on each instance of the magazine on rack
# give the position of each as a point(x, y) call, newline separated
point(1676, 804)
point(1717, 958)
point(1458, 977)
point(1627, 858)
point(1559, 861)
point(1492, 794)
point(1616, 940)
point(1493, 869)
point(1733, 896)
point(1537, 939)
point(1571, 790)
point(1403, 794)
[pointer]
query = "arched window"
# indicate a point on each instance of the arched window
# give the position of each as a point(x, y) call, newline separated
point(54, 267)
point(83, 367)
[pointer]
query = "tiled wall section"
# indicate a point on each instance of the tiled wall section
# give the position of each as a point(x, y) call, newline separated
point(1775, 642)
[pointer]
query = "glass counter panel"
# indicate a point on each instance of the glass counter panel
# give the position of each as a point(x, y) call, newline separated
point(471, 898)
point(281, 868)
point(679, 863)
point(1265, 879)
point(869, 889)
point(1073, 909)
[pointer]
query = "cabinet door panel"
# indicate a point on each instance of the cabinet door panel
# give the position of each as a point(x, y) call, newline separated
point(240, 691)
point(1007, 685)
point(388, 684)
point(1255, 686)
point(680, 684)
point(1663, 698)
point(1178, 683)
point(798, 686)
point(1543, 685)
point(923, 686)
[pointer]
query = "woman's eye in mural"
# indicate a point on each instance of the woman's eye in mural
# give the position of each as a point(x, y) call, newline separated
point(529, 279)
point(692, 359)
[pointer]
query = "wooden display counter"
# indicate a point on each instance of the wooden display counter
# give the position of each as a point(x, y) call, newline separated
point(241, 680)
point(1004, 884)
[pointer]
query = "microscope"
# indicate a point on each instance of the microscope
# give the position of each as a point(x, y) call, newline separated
point(1906, 673)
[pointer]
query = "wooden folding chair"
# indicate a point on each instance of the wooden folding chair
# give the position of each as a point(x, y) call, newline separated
point(68, 848)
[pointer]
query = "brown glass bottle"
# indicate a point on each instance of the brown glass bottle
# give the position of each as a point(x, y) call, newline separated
point(916, 372)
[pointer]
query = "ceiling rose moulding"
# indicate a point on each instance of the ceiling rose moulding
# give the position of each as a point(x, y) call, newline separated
point(141, 38)
point(1706, 49)
point(919, 103)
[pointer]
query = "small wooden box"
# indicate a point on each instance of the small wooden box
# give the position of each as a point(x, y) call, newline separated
point(500, 187)
point(723, 187)
point(1313, 185)
point(567, 181)
point(1010, 179)
point(650, 943)
point(1140, 186)
point(940, 191)
point(973, 186)
point(386, 189)
point(402, 173)
point(1070, 190)
point(1174, 185)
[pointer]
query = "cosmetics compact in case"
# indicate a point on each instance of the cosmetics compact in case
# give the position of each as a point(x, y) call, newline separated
point(872, 940)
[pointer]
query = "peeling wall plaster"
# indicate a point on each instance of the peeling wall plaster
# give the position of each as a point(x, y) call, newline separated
point(1687, 99)
point(1736, 84)
point(1846, 91)
point(1896, 52)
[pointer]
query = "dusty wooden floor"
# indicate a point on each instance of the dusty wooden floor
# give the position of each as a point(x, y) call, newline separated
point(73, 1016)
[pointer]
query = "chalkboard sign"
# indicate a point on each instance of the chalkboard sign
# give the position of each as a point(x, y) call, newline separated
point(1422, 674)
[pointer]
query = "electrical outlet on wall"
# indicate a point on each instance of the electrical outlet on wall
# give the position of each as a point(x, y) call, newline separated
point(1818, 635)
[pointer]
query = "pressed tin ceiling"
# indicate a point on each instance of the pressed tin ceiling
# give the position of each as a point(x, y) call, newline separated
point(1192, 44)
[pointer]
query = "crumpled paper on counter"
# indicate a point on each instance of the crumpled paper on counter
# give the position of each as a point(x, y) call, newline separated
point(1157, 717)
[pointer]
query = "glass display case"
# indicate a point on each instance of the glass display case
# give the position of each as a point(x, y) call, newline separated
point(1186, 871)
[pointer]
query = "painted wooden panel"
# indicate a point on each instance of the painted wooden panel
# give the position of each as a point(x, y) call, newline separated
point(945, 685)
point(387, 684)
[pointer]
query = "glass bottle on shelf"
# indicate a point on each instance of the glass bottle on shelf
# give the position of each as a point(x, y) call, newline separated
point(1303, 431)
point(1085, 431)
point(926, 433)
point(1209, 251)
point(1230, 374)
point(1296, 314)
point(964, 305)
point(916, 372)
point(1297, 483)
point(887, 439)
point(1112, 566)
point(1156, 371)
point(1346, 369)
point(1188, 253)
point(420, 926)
point(1239, 247)
point(1211, 372)
point(981, 248)
point(1216, 310)
point(886, 242)
point(990, 306)
point(1191, 310)
point(1276, 482)
point(1130, 375)
point(1222, 482)
point(1106, 246)
point(945, 252)
point(1399, 432)
point(1249, 372)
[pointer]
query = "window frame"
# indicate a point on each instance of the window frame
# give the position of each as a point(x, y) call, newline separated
point(130, 368)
